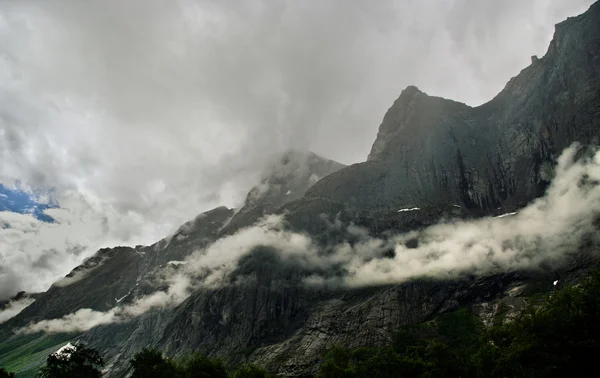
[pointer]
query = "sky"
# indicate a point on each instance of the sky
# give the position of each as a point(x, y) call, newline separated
point(138, 115)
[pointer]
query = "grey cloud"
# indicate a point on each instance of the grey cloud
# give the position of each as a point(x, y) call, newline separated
point(201, 85)
point(161, 109)
point(44, 261)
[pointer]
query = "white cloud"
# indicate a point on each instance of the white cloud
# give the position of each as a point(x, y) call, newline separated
point(13, 308)
point(79, 321)
point(545, 232)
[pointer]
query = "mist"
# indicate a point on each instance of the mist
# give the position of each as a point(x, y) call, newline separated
point(544, 233)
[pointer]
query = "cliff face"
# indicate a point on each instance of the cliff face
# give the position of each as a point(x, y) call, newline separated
point(431, 150)
point(451, 160)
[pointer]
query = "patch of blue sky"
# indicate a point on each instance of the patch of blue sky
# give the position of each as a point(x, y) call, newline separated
point(20, 201)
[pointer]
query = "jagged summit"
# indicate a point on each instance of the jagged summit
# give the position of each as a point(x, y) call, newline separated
point(411, 115)
point(431, 150)
point(410, 90)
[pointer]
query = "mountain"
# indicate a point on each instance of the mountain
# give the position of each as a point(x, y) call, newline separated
point(430, 150)
point(433, 159)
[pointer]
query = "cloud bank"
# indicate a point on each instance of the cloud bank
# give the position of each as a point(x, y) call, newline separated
point(544, 233)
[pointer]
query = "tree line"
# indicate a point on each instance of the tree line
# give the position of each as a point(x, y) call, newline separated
point(556, 337)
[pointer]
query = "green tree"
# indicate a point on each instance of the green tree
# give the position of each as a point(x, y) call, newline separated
point(150, 363)
point(200, 366)
point(337, 364)
point(6, 374)
point(250, 371)
point(76, 361)
point(369, 363)
point(555, 338)
point(560, 337)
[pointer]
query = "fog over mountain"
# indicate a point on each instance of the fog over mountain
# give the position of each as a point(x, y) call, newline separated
point(141, 114)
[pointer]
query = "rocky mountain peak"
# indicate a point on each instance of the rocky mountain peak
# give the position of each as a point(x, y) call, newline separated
point(411, 114)
point(431, 150)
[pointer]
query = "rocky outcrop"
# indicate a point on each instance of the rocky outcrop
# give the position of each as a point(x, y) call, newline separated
point(431, 150)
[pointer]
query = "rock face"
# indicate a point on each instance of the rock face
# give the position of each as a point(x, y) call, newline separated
point(431, 150)
point(449, 159)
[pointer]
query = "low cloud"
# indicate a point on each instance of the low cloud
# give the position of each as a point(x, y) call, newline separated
point(541, 234)
point(221, 257)
point(13, 308)
point(79, 321)
point(85, 318)
point(80, 272)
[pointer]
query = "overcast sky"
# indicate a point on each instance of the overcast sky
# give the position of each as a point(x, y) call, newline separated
point(146, 112)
